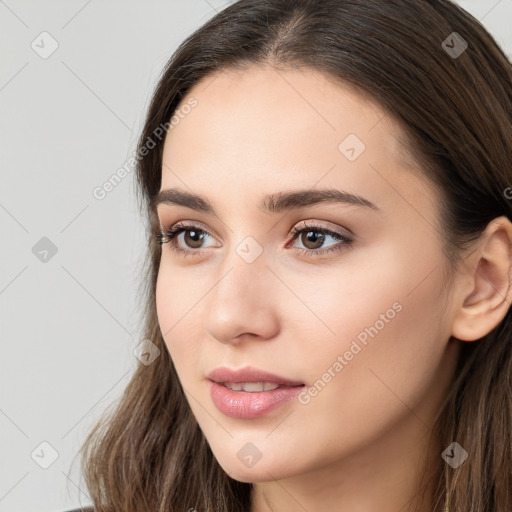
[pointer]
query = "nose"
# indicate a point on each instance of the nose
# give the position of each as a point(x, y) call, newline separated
point(243, 303)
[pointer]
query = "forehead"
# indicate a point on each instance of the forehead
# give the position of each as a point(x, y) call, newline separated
point(262, 127)
point(273, 110)
point(257, 96)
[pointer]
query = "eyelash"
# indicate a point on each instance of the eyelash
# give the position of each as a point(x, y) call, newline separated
point(169, 236)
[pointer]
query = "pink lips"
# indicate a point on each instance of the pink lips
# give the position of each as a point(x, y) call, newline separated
point(247, 404)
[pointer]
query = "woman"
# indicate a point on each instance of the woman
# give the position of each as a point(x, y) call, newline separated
point(327, 185)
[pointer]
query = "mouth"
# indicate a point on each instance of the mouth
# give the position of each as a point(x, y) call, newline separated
point(251, 379)
point(252, 387)
point(250, 393)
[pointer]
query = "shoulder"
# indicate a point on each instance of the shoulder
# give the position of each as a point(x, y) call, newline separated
point(83, 509)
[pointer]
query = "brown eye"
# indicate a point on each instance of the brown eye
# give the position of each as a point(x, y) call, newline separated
point(190, 243)
point(193, 238)
point(312, 239)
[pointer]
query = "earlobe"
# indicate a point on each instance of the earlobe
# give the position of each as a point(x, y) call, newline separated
point(490, 277)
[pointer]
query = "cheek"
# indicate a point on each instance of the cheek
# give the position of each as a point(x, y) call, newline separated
point(179, 293)
point(177, 302)
point(389, 335)
point(166, 299)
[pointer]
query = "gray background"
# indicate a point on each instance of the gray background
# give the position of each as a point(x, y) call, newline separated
point(69, 321)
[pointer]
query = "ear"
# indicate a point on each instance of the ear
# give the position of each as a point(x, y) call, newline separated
point(488, 278)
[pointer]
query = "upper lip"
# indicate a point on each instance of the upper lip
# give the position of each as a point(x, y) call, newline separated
point(249, 374)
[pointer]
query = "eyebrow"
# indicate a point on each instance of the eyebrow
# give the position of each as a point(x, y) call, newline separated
point(272, 203)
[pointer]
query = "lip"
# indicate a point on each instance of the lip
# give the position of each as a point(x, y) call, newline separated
point(250, 405)
point(249, 374)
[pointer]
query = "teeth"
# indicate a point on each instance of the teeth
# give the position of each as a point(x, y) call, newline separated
point(251, 387)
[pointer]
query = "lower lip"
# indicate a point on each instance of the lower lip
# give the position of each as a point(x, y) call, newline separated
point(246, 405)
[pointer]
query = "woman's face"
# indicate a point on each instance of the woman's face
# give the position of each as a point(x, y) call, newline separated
point(353, 321)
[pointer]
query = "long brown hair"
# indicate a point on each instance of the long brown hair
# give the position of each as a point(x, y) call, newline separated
point(455, 106)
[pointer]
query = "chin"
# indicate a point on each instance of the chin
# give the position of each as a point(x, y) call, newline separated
point(240, 467)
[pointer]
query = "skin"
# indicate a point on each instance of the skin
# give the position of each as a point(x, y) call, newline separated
point(360, 443)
